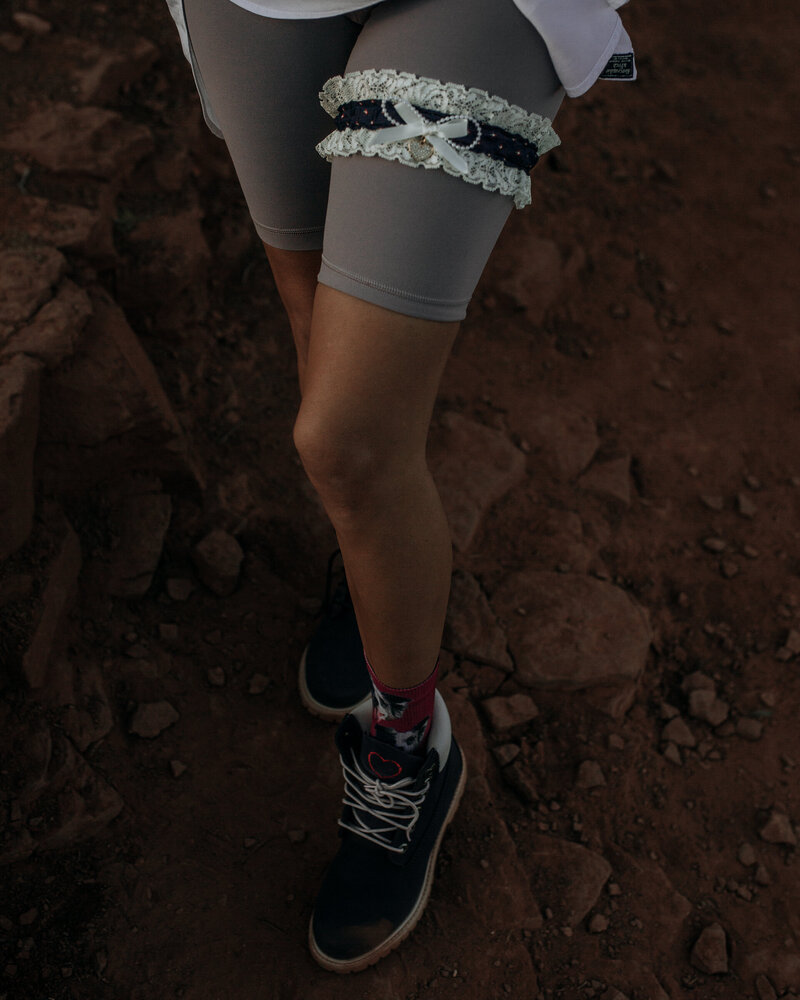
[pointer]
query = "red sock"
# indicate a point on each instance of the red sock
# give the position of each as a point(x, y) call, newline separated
point(402, 717)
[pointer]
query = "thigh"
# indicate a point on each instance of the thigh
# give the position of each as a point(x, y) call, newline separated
point(417, 240)
point(263, 77)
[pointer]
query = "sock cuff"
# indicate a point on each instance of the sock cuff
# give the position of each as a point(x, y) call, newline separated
point(431, 678)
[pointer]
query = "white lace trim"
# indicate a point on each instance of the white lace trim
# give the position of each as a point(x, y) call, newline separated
point(450, 99)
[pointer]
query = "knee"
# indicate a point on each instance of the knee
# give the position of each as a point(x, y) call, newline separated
point(350, 467)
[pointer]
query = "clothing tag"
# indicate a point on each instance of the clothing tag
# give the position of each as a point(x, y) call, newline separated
point(618, 67)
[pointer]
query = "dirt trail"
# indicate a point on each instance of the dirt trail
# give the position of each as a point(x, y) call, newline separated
point(617, 441)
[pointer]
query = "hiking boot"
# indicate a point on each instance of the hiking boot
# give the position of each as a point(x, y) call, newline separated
point(396, 809)
point(333, 675)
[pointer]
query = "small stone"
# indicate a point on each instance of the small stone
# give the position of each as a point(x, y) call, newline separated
point(750, 552)
point(667, 711)
point(216, 677)
point(672, 754)
point(697, 681)
point(152, 718)
point(505, 713)
point(749, 729)
point(745, 505)
point(752, 482)
point(764, 988)
point(616, 742)
point(715, 544)
point(177, 767)
point(705, 705)
point(258, 684)
point(728, 568)
point(505, 753)
point(778, 829)
point(598, 923)
point(677, 731)
point(590, 775)
point(747, 855)
point(792, 642)
point(10, 42)
point(710, 954)
point(712, 502)
point(31, 23)
point(217, 559)
point(168, 632)
point(521, 781)
point(566, 931)
point(249, 842)
point(297, 836)
point(768, 698)
point(762, 875)
point(614, 889)
point(179, 588)
point(744, 893)
point(28, 917)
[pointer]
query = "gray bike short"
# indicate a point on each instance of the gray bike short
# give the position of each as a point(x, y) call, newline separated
point(398, 146)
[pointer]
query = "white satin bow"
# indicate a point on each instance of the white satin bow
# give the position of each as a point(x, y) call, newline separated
point(437, 133)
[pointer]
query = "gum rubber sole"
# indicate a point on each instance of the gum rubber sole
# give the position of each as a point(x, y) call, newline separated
point(315, 707)
point(408, 925)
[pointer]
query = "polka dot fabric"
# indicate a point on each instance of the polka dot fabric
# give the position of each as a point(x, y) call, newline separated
point(495, 142)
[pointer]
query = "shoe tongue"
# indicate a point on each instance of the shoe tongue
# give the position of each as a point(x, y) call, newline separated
point(387, 762)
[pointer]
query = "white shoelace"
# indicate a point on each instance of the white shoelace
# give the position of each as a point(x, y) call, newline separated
point(394, 805)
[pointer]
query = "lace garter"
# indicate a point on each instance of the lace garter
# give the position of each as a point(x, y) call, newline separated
point(423, 122)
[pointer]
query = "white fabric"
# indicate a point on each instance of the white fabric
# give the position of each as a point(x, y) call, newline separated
point(581, 35)
point(449, 98)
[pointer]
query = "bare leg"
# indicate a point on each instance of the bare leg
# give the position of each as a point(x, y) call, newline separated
point(370, 385)
point(295, 273)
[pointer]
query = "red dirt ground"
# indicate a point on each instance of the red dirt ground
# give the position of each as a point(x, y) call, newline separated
point(672, 326)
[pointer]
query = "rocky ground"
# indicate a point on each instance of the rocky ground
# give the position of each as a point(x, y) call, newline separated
point(617, 443)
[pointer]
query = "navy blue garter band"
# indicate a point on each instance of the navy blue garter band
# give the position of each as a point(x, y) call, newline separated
point(495, 142)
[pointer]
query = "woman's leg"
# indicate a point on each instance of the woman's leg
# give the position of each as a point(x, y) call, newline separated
point(295, 273)
point(262, 76)
point(370, 386)
point(404, 248)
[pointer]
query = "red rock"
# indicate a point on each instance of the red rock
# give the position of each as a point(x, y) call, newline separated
point(171, 256)
point(709, 953)
point(76, 690)
point(68, 227)
point(506, 712)
point(579, 873)
point(106, 413)
point(31, 23)
point(676, 731)
point(562, 439)
point(59, 590)
point(98, 72)
point(217, 559)
point(151, 718)
point(577, 632)
point(471, 628)
point(53, 333)
point(48, 781)
point(27, 278)
point(778, 829)
point(88, 140)
point(19, 423)
point(473, 466)
point(610, 478)
point(139, 518)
